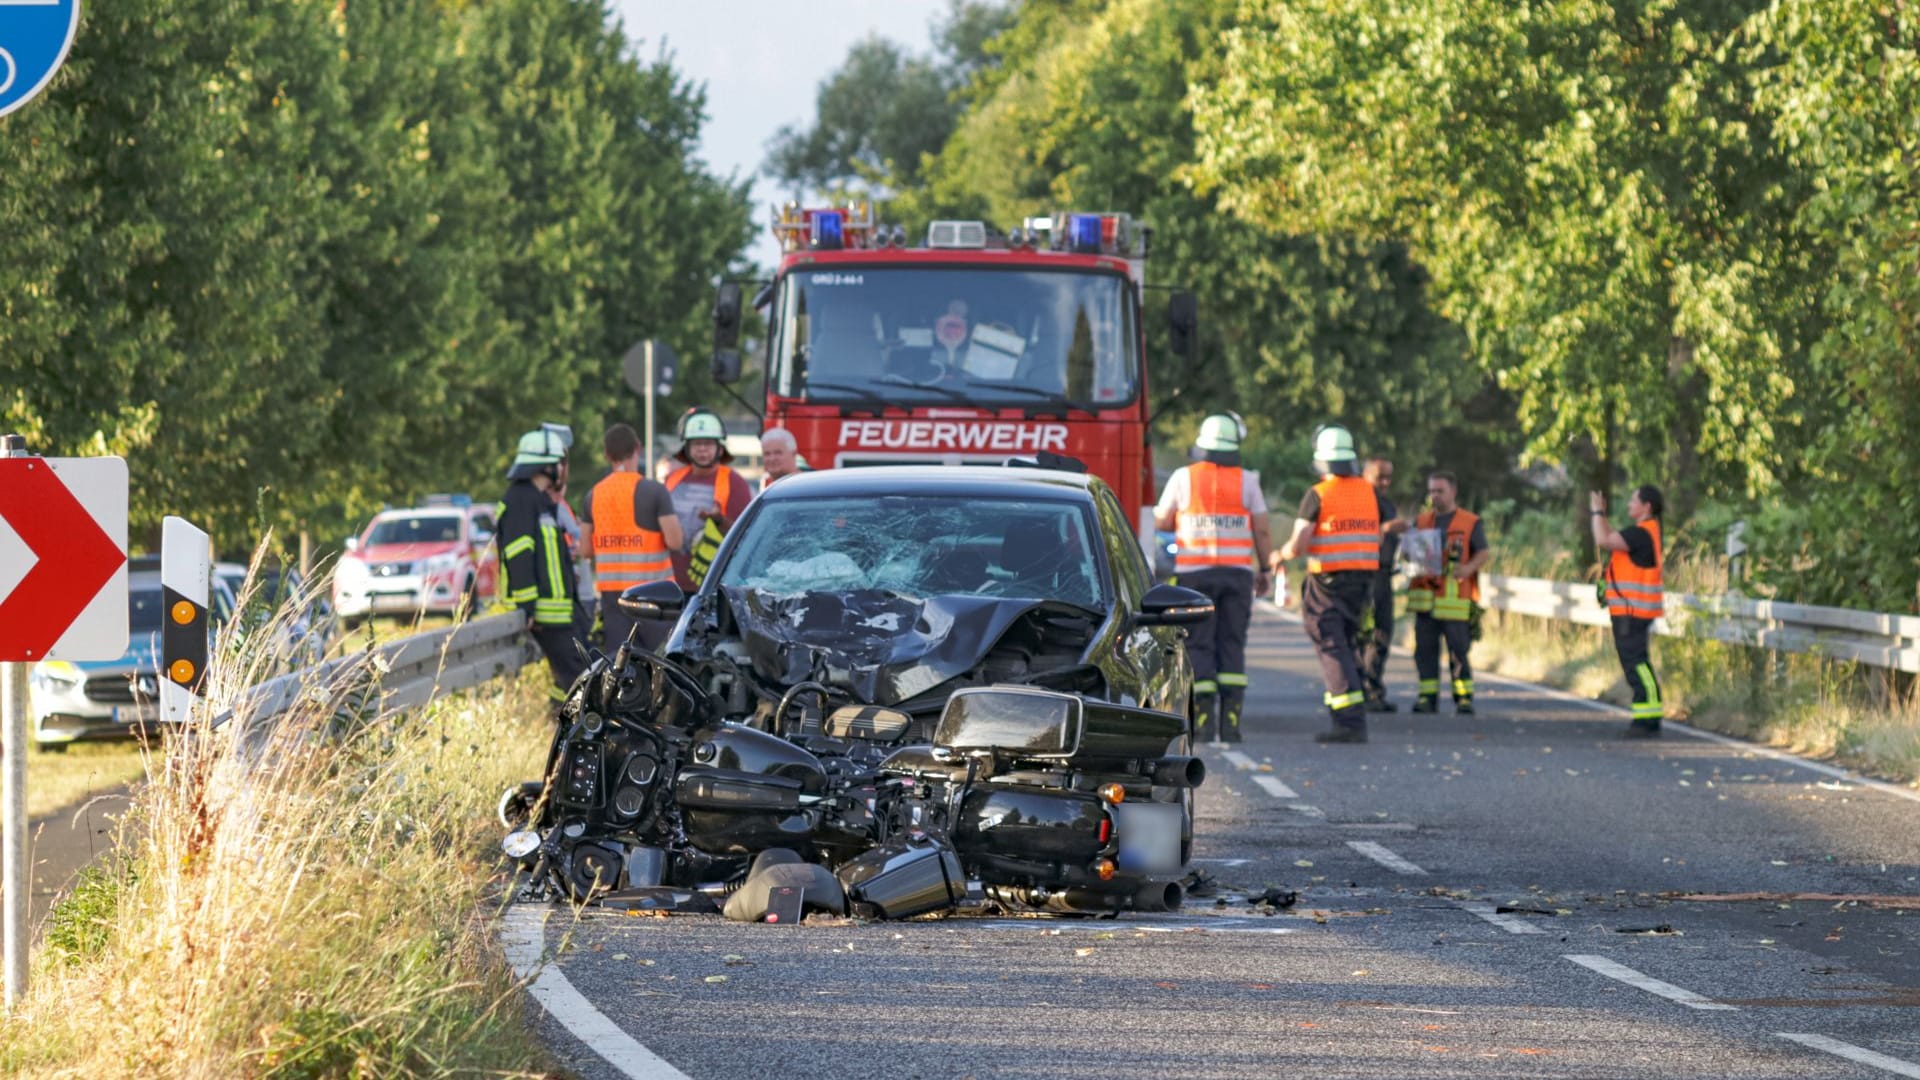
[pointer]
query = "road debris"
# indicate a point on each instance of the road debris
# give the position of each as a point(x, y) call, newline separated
point(1877, 900)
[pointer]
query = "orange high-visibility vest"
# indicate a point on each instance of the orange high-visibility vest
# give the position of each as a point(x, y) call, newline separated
point(1347, 536)
point(1215, 528)
point(1446, 597)
point(722, 483)
point(1637, 591)
point(624, 554)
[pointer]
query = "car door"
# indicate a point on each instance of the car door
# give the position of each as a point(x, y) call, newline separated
point(1145, 652)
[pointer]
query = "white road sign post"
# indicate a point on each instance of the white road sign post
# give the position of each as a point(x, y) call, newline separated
point(63, 596)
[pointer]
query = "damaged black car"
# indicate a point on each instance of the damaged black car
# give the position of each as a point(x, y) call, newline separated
point(899, 689)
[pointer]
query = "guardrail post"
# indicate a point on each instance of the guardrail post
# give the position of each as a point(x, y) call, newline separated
point(14, 707)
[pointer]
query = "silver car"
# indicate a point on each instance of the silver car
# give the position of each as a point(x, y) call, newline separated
point(75, 700)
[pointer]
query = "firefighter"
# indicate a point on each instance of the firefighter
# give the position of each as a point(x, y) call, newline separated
point(1634, 596)
point(533, 551)
point(708, 497)
point(1338, 529)
point(632, 528)
point(1216, 509)
point(1376, 623)
point(1444, 606)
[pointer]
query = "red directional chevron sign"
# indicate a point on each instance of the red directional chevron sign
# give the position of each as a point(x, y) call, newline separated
point(63, 558)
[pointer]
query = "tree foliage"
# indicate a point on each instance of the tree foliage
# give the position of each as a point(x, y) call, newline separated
point(345, 253)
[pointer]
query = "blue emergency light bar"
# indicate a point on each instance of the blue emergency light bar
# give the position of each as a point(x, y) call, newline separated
point(827, 229)
point(1083, 232)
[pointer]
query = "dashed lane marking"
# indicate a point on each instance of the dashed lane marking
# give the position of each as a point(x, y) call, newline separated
point(1378, 853)
point(1854, 1053)
point(1238, 760)
point(1307, 811)
point(1225, 862)
point(1648, 983)
point(1272, 786)
point(523, 939)
point(1508, 923)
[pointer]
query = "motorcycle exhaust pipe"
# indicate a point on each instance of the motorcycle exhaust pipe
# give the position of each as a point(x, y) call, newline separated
point(1160, 896)
point(1179, 772)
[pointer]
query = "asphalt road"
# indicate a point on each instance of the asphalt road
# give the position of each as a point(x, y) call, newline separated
point(1396, 961)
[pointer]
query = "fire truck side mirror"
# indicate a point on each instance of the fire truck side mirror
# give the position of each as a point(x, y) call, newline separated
point(726, 366)
point(1183, 323)
point(726, 316)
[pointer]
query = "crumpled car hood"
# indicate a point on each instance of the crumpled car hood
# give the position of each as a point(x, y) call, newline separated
point(882, 647)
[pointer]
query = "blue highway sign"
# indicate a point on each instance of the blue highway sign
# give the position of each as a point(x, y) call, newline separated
point(34, 38)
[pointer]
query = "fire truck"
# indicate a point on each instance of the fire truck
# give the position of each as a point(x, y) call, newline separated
point(978, 346)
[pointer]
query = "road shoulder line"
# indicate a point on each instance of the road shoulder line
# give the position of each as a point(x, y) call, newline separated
point(523, 939)
point(1380, 854)
point(1509, 923)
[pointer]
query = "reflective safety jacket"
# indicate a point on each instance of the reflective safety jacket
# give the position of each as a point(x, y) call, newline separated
point(1637, 591)
point(1215, 528)
point(624, 554)
point(533, 550)
point(1446, 597)
point(706, 542)
point(1347, 535)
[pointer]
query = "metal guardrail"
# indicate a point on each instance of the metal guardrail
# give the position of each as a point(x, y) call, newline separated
point(402, 674)
point(1887, 641)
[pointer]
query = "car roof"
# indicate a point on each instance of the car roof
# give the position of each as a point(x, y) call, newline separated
point(455, 512)
point(977, 480)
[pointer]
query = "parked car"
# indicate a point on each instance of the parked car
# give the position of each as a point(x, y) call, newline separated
point(437, 558)
point(1165, 547)
point(75, 700)
point(302, 635)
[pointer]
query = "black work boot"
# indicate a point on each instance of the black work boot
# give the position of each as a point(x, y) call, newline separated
point(1204, 728)
point(1463, 706)
point(1381, 704)
point(1427, 704)
point(1342, 734)
point(1230, 724)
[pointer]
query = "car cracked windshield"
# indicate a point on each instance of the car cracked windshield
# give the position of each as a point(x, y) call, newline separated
point(920, 547)
point(973, 336)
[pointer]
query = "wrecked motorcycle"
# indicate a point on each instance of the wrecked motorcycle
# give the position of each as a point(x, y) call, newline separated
point(1044, 799)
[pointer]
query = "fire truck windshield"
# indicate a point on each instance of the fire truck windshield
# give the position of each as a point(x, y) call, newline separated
point(929, 336)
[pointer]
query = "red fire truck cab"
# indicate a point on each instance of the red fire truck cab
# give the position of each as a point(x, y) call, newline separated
point(977, 347)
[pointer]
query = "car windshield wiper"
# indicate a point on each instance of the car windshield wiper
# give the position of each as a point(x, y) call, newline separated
point(944, 391)
point(861, 392)
point(1031, 391)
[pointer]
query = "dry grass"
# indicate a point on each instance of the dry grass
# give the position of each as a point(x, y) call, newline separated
point(314, 905)
point(57, 781)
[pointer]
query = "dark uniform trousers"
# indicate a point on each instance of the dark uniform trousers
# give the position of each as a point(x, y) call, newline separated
point(1428, 632)
point(1332, 607)
point(617, 624)
point(1636, 659)
point(564, 648)
point(1218, 647)
point(1374, 642)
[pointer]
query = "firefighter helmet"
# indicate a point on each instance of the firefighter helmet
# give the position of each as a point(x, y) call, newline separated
point(1333, 443)
point(539, 451)
point(1221, 432)
point(701, 422)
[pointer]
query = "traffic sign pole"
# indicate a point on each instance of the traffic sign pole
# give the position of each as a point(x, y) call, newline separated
point(13, 848)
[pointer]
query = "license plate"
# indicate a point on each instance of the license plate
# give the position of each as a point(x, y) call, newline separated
point(393, 602)
point(133, 714)
point(1149, 835)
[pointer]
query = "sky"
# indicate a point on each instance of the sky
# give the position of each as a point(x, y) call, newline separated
point(762, 62)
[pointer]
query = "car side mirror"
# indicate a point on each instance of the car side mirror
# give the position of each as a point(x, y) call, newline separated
point(481, 538)
point(1173, 605)
point(1183, 324)
point(352, 544)
point(653, 600)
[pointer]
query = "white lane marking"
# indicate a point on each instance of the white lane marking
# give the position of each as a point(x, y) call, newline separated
point(1307, 811)
point(1508, 923)
point(1724, 740)
point(1648, 983)
point(1384, 857)
point(1224, 862)
point(523, 939)
point(1854, 1053)
point(1272, 786)
point(1238, 760)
